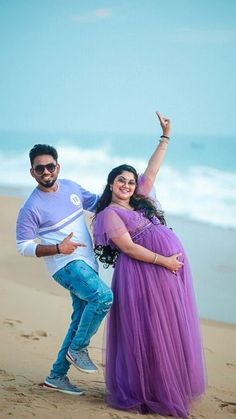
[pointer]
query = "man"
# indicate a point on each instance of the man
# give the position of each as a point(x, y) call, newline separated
point(54, 214)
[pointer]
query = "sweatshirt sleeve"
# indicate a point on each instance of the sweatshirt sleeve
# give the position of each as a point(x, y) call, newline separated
point(26, 233)
point(89, 200)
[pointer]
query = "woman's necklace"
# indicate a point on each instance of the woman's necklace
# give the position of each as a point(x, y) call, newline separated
point(120, 205)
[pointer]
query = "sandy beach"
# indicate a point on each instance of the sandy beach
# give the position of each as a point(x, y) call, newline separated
point(34, 315)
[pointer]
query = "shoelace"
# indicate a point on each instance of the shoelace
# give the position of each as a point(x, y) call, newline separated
point(85, 357)
point(66, 380)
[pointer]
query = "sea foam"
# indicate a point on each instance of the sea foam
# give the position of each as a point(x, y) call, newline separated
point(199, 192)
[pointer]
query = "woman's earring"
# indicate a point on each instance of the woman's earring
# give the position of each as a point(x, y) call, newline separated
point(110, 188)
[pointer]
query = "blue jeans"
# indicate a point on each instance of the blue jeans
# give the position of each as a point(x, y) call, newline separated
point(91, 301)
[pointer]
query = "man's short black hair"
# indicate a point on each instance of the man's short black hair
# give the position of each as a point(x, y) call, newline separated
point(40, 149)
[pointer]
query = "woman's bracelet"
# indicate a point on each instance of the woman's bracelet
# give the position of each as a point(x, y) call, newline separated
point(58, 249)
point(165, 136)
point(155, 259)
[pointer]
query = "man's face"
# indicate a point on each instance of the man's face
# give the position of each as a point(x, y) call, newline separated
point(45, 170)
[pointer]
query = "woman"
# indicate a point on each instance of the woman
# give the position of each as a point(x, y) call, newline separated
point(154, 360)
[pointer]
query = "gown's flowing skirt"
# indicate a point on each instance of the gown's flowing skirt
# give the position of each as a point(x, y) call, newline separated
point(154, 360)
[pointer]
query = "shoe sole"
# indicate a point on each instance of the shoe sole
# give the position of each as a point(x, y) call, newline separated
point(71, 361)
point(71, 393)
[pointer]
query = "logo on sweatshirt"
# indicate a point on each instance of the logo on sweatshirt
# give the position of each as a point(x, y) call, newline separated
point(75, 200)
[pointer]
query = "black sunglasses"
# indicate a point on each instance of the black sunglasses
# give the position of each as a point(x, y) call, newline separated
point(39, 169)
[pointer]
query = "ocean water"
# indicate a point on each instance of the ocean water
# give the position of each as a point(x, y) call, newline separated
point(197, 179)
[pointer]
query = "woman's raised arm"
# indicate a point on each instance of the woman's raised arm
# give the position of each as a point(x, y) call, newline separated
point(157, 157)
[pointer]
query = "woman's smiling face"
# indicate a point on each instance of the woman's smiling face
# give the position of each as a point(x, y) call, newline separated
point(123, 186)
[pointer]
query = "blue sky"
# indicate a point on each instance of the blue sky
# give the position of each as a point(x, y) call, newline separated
point(106, 66)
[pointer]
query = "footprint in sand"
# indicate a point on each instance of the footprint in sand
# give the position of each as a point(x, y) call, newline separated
point(231, 365)
point(229, 407)
point(41, 333)
point(29, 336)
point(11, 322)
point(34, 335)
point(226, 406)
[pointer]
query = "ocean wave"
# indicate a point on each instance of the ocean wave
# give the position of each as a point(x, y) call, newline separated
point(199, 192)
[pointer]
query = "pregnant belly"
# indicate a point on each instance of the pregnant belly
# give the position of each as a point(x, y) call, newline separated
point(159, 239)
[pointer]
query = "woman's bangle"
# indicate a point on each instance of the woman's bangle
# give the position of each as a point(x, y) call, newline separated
point(165, 136)
point(155, 259)
point(58, 249)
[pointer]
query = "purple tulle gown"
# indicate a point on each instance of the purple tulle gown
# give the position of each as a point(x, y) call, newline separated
point(154, 358)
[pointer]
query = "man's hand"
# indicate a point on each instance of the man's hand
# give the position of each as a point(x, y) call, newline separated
point(67, 246)
point(165, 124)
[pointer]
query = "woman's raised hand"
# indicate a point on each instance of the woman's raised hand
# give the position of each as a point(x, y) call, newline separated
point(165, 124)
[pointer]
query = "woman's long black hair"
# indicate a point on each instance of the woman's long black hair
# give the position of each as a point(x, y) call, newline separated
point(106, 254)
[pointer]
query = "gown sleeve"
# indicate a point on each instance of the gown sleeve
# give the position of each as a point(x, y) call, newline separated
point(146, 188)
point(106, 226)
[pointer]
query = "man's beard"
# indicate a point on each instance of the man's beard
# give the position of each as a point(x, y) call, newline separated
point(48, 183)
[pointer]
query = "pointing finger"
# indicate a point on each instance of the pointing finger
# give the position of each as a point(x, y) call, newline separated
point(79, 244)
point(159, 116)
